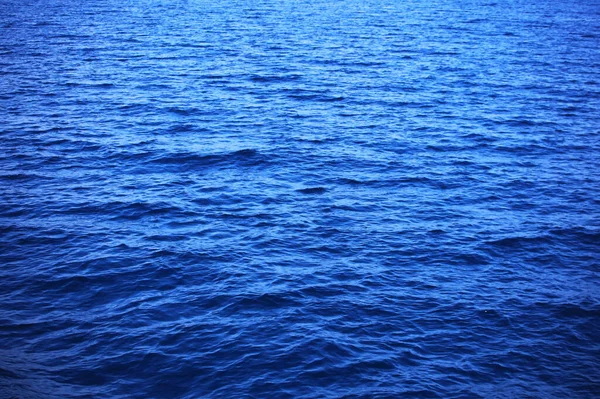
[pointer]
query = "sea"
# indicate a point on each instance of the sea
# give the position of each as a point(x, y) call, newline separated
point(299, 199)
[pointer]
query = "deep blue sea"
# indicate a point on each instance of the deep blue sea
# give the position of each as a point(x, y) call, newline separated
point(299, 199)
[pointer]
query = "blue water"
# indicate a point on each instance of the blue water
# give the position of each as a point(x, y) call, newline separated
point(299, 199)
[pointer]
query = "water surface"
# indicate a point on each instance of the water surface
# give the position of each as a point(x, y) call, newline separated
point(299, 199)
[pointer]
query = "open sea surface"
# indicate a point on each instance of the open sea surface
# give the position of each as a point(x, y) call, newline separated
point(299, 199)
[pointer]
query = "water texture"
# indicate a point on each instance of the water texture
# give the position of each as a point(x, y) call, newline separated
point(299, 199)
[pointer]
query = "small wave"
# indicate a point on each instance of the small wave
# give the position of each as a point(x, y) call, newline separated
point(315, 97)
point(191, 160)
point(183, 111)
point(349, 181)
point(394, 182)
point(274, 78)
point(182, 127)
point(118, 210)
point(91, 84)
point(69, 36)
point(312, 190)
point(22, 176)
point(245, 303)
point(167, 238)
point(579, 234)
point(519, 241)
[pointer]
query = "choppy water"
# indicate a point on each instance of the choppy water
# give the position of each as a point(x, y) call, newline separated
point(299, 199)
